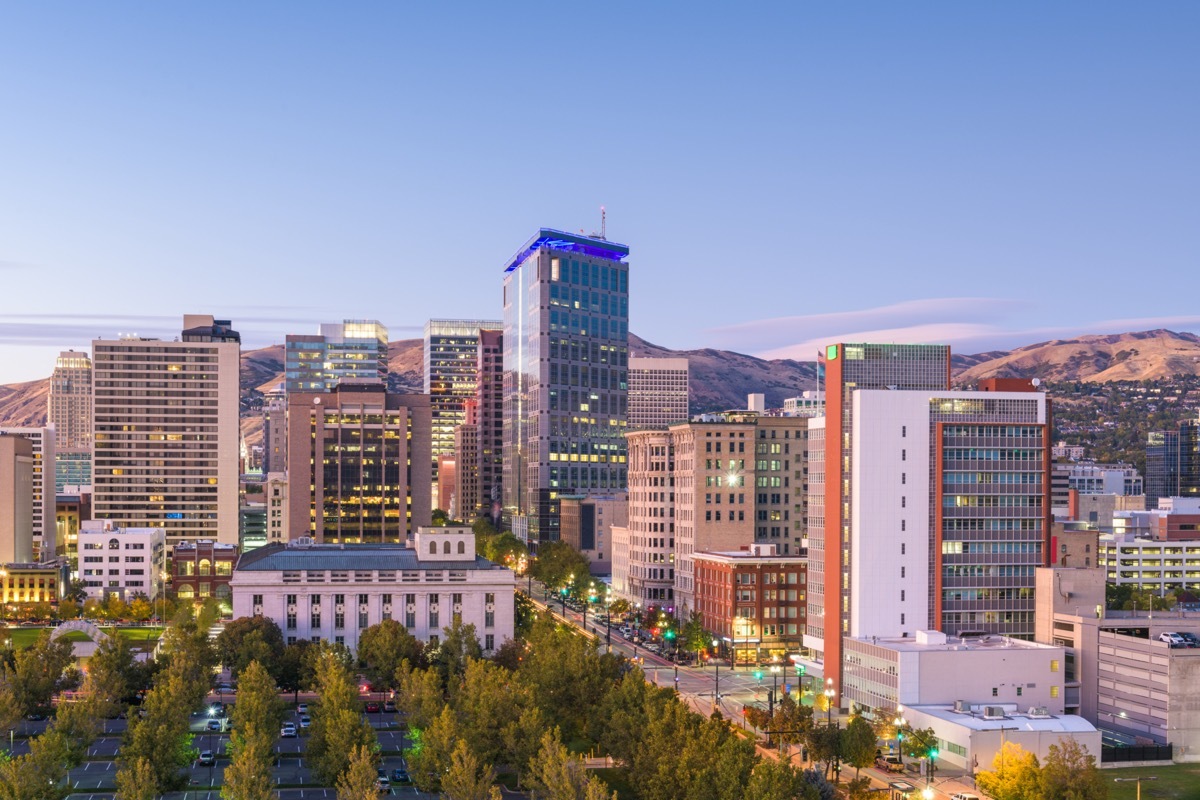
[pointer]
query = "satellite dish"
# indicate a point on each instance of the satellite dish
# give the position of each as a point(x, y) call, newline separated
point(1036, 381)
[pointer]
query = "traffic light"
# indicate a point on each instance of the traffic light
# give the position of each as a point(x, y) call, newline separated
point(654, 631)
point(670, 634)
point(800, 670)
point(933, 754)
point(899, 736)
point(758, 675)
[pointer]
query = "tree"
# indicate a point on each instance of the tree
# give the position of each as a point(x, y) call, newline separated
point(79, 724)
point(557, 563)
point(522, 740)
point(693, 637)
point(115, 609)
point(186, 647)
point(76, 591)
point(295, 667)
point(419, 695)
point(358, 781)
point(161, 736)
point(794, 719)
point(41, 672)
point(432, 747)
point(620, 718)
point(487, 700)
point(68, 609)
point(825, 744)
point(1015, 775)
point(111, 674)
point(510, 654)
point(859, 788)
point(257, 716)
point(41, 773)
point(505, 549)
point(775, 780)
point(249, 639)
point(555, 775)
point(858, 744)
point(1070, 773)
point(140, 609)
point(459, 645)
point(137, 781)
point(467, 778)
point(383, 647)
point(338, 726)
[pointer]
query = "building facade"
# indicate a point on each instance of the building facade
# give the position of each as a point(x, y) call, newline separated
point(807, 404)
point(125, 562)
point(364, 452)
point(69, 412)
point(490, 410)
point(327, 593)
point(658, 392)
point(587, 524)
point(202, 569)
point(645, 547)
point(467, 493)
point(44, 442)
point(1173, 462)
point(753, 600)
point(274, 415)
point(355, 349)
point(34, 583)
point(16, 499)
point(566, 329)
point(166, 434)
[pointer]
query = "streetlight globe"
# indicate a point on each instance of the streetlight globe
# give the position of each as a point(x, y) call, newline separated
point(927, 793)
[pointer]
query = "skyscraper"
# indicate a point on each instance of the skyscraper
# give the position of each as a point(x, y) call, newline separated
point(658, 392)
point(845, 369)
point(43, 441)
point(451, 377)
point(357, 463)
point(165, 431)
point(352, 349)
point(566, 329)
point(1173, 463)
point(69, 412)
point(489, 410)
point(16, 499)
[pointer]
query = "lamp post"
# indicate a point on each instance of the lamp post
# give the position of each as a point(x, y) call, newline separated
point(716, 676)
point(829, 693)
point(900, 722)
point(211, 752)
point(1139, 780)
point(608, 621)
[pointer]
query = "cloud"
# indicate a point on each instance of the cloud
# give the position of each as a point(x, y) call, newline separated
point(13, 266)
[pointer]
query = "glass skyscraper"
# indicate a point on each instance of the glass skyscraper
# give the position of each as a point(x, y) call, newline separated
point(566, 329)
point(353, 349)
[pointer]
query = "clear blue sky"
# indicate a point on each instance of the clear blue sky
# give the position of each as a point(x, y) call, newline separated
point(982, 174)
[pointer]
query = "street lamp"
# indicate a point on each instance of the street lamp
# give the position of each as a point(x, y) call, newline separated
point(716, 675)
point(900, 722)
point(608, 621)
point(829, 693)
point(1139, 780)
point(211, 752)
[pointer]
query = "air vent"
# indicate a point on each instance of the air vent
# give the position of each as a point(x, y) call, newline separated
point(993, 712)
point(1041, 712)
point(962, 706)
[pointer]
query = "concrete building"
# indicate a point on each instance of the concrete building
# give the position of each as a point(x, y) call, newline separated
point(355, 349)
point(275, 489)
point(202, 569)
point(620, 580)
point(658, 392)
point(252, 524)
point(16, 499)
point(333, 593)
point(807, 404)
point(69, 412)
point(363, 452)
point(451, 379)
point(1117, 479)
point(587, 524)
point(27, 584)
point(489, 397)
point(274, 415)
point(447, 485)
point(754, 601)
point(72, 509)
point(166, 433)
point(43, 441)
point(975, 692)
point(1070, 452)
point(644, 550)
point(566, 328)
point(121, 561)
point(467, 494)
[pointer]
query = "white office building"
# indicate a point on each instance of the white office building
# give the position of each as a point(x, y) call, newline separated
point(121, 561)
point(333, 592)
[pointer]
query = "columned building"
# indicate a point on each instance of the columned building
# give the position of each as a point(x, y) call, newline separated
point(566, 331)
point(166, 434)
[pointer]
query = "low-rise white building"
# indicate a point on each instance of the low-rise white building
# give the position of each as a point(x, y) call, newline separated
point(332, 592)
point(121, 561)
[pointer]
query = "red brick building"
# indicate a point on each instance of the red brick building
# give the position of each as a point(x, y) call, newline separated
point(202, 569)
point(753, 600)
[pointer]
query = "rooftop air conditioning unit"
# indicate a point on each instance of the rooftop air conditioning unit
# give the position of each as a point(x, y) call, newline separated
point(962, 707)
point(1040, 712)
point(993, 712)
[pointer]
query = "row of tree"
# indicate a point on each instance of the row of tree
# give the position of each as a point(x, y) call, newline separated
point(1069, 772)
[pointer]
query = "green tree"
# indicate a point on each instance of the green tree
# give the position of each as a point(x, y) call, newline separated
point(382, 648)
point(257, 716)
point(79, 723)
point(566, 675)
point(295, 667)
point(459, 644)
point(555, 775)
point(620, 718)
point(1015, 775)
point(487, 700)
point(186, 647)
point(775, 780)
point(41, 773)
point(111, 675)
point(338, 726)
point(115, 609)
point(468, 778)
point(41, 672)
point(68, 609)
point(859, 788)
point(505, 549)
point(432, 747)
point(10, 707)
point(693, 637)
point(558, 563)
point(419, 695)
point(825, 745)
point(249, 639)
point(1070, 773)
point(140, 609)
point(137, 782)
point(162, 735)
point(522, 740)
point(858, 744)
point(358, 781)
point(794, 719)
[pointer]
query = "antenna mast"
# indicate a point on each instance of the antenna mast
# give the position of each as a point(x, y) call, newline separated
point(603, 223)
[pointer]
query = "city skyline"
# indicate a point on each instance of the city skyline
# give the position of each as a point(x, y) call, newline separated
point(1049, 147)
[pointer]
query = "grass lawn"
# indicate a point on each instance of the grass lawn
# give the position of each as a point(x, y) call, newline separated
point(24, 637)
point(1175, 782)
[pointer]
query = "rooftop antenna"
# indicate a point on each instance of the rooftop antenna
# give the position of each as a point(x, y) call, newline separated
point(603, 223)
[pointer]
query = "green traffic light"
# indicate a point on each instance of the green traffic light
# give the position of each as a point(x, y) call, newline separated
point(933, 753)
point(758, 674)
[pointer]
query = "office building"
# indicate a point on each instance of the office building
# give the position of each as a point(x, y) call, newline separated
point(355, 349)
point(752, 600)
point(844, 368)
point(644, 549)
point(447, 485)
point(325, 593)
point(166, 433)
point(1173, 462)
point(587, 523)
point(451, 377)
point(467, 496)
point(489, 397)
point(44, 447)
point(358, 461)
point(16, 499)
point(252, 524)
point(72, 509)
point(121, 561)
point(658, 392)
point(807, 404)
point(275, 490)
point(202, 569)
point(274, 421)
point(28, 584)
point(566, 329)
point(69, 412)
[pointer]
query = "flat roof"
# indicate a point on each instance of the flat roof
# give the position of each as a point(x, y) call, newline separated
point(952, 643)
point(280, 557)
point(569, 242)
point(1014, 720)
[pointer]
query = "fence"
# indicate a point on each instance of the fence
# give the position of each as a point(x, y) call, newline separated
point(1136, 752)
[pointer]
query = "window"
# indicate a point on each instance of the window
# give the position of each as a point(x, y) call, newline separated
point(314, 617)
point(339, 619)
point(362, 619)
point(489, 620)
point(462, 548)
point(1054, 665)
point(489, 642)
point(995, 692)
point(291, 620)
point(456, 598)
point(490, 597)
point(433, 619)
point(1054, 691)
point(1019, 690)
point(902, 593)
point(410, 619)
point(433, 548)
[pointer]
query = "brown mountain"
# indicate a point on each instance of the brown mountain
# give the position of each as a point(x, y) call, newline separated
point(1146, 355)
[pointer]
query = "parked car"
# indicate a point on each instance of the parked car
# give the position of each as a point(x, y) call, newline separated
point(372, 708)
point(889, 763)
point(381, 782)
point(964, 796)
point(214, 725)
point(302, 708)
point(389, 706)
point(207, 759)
point(1190, 638)
point(1173, 639)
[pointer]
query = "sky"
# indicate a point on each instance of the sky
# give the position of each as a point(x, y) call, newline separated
point(983, 175)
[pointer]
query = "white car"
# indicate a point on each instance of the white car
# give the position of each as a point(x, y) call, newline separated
point(1172, 639)
point(288, 731)
point(305, 722)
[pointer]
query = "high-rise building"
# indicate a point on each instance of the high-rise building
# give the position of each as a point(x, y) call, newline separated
point(69, 412)
point(43, 440)
point(658, 392)
point(566, 331)
point(1173, 463)
point(358, 461)
point(451, 376)
point(274, 432)
point(166, 434)
point(844, 369)
point(467, 497)
point(16, 499)
point(354, 349)
point(489, 395)
point(587, 524)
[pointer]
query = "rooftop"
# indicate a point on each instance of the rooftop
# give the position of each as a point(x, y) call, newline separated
point(1012, 720)
point(934, 641)
point(280, 557)
point(568, 242)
